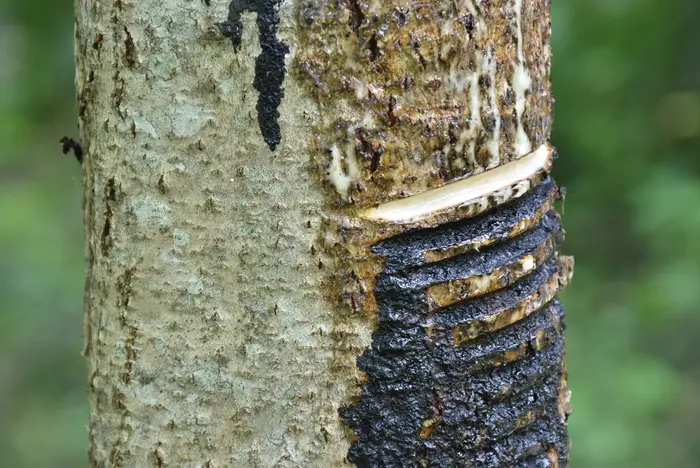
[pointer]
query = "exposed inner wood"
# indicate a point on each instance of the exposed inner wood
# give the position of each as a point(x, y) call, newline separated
point(463, 192)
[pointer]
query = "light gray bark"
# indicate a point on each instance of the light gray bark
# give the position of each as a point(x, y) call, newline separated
point(210, 341)
point(214, 331)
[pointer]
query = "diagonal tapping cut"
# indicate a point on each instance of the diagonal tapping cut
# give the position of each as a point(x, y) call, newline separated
point(505, 178)
point(466, 366)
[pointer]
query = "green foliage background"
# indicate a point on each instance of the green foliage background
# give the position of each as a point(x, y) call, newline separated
point(627, 82)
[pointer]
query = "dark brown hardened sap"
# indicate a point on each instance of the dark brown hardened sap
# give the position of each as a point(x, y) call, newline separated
point(475, 377)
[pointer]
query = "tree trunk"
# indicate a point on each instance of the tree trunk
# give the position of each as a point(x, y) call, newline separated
point(320, 233)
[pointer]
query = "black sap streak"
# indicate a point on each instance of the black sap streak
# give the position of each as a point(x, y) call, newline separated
point(269, 66)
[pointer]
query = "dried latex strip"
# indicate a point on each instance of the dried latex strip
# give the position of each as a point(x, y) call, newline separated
point(463, 192)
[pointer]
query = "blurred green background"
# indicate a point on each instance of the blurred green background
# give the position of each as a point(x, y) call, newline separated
point(627, 82)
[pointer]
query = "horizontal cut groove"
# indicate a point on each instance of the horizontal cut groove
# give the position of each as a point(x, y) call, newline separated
point(391, 373)
point(449, 240)
point(522, 226)
point(543, 435)
point(468, 320)
point(496, 260)
point(481, 426)
point(409, 378)
point(523, 338)
point(458, 290)
point(499, 319)
point(502, 300)
point(462, 192)
point(520, 411)
point(505, 381)
point(434, 115)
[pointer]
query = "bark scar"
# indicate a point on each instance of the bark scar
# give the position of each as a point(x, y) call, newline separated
point(467, 360)
point(269, 66)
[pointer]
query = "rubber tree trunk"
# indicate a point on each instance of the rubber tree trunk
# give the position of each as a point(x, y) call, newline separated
point(320, 233)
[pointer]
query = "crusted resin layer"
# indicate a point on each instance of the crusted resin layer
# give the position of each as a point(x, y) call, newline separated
point(466, 366)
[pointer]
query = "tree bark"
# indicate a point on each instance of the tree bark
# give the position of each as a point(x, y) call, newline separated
point(274, 276)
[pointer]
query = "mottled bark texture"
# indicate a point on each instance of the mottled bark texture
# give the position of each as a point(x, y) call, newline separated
point(240, 309)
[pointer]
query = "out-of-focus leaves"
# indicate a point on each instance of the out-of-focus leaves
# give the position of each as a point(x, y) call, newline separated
point(626, 76)
point(632, 220)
